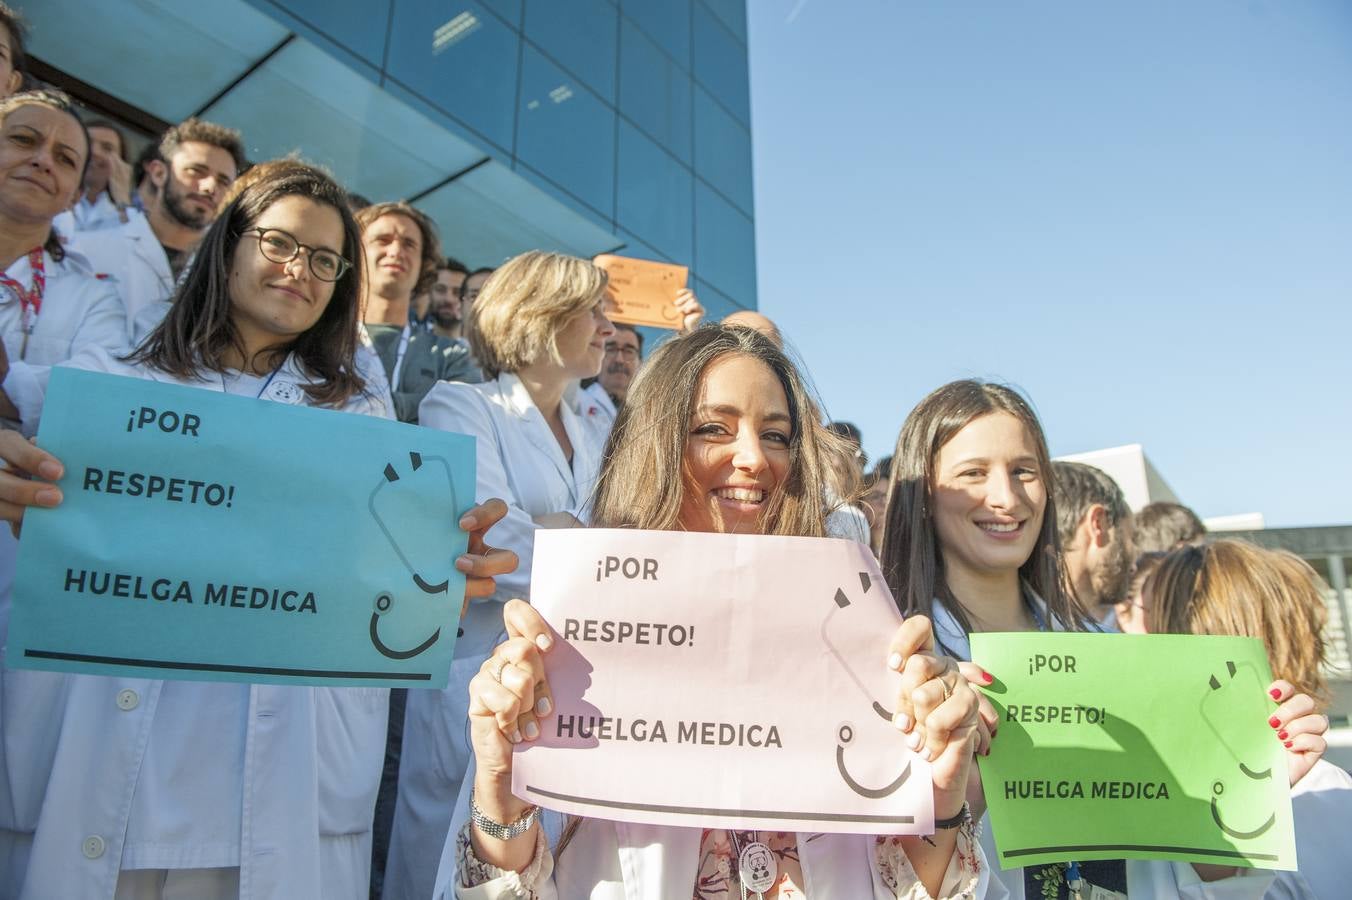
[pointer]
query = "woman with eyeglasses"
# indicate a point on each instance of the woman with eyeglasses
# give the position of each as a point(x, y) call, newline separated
point(137, 788)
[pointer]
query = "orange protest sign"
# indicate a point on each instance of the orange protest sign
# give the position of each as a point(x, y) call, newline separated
point(642, 292)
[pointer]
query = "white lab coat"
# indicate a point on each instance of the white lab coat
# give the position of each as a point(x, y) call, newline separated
point(102, 213)
point(1147, 879)
point(132, 256)
point(520, 461)
point(621, 861)
point(71, 748)
point(1322, 804)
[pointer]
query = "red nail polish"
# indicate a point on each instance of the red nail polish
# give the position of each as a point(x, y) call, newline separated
point(1287, 745)
point(987, 677)
point(1275, 722)
point(1276, 694)
point(1282, 735)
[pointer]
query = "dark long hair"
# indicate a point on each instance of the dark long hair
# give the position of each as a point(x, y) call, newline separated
point(911, 559)
point(198, 330)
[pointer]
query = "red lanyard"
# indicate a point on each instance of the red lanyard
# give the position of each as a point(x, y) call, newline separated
point(30, 299)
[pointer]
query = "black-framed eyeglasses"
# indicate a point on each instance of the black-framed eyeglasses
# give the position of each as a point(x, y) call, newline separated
point(281, 247)
point(626, 351)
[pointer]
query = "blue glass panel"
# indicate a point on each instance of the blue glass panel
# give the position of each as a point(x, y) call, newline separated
point(578, 35)
point(461, 58)
point(302, 99)
point(654, 92)
point(655, 200)
point(493, 214)
point(720, 64)
point(665, 21)
point(638, 248)
point(360, 27)
point(508, 9)
point(717, 305)
point(731, 13)
point(723, 151)
point(565, 133)
point(725, 246)
point(198, 48)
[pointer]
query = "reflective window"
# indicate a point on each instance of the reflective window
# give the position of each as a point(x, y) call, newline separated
point(492, 214)
point(731, 13)
point(636, 247)
point(654, 91)
point(655, 200)
point(578, 35)
point(717, 305)
point(565, 133)
point(460, 58)
point(720, 64)
point(725, 246)
point(303, 99)
point(360, 27)
point(722, 151)
point(185, 53)
point(508, 9)
point(665, 21)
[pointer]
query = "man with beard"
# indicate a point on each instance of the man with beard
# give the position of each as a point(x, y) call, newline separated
point(1095, 525)
point(445, 311)
point(179, 195)
point(402, 255)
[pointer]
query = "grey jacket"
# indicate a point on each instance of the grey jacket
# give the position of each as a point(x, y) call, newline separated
point(428, 359)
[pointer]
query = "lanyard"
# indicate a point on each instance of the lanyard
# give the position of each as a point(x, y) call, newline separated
point(399, 358)
point(30, 299)
point(259, 395)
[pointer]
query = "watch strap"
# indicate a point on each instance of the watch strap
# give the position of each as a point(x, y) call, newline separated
point(498, 830)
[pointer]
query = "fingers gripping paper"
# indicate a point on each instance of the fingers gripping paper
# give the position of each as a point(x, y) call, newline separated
point(721, 681)
point(1134, 747)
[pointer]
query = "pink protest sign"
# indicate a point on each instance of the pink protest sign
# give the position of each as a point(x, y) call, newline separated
point(726, 681)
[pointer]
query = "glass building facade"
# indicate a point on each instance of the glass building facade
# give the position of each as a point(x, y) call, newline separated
point(584, 126)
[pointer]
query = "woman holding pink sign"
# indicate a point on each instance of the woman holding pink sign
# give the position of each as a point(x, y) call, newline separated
point(971, 540)
point(719, 434)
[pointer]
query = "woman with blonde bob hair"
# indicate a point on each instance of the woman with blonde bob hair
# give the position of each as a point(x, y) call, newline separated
point(539, 326)
point(717, 434)
point(1231, 587)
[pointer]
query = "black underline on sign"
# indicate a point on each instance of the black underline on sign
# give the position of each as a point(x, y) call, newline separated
point(1147, 848)
point(704, 811)
point(221, 667)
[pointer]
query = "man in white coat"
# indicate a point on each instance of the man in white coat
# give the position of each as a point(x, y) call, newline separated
point(182, 191)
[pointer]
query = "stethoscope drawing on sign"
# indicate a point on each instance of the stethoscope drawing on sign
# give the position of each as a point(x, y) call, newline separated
point(432, 542)
point(846, 731)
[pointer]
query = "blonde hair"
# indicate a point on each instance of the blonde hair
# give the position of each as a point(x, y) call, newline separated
point(1232, 587)
point(516, 319)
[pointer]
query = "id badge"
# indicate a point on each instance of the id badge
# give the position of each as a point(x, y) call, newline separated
point(1099, 893)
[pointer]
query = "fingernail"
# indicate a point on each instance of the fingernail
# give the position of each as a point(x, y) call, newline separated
point(543, 706)
point(894, 662)
point(987, 677)
point(1276, 694)
point(544, 641)
point(1287, 744)
point(47, 497)
point(468, 522)
point(902, 721)
point(49, 470)
point(1282, 735)
point(928, 755)
point(532, 731)
point(913, 741)
point(463, 563)
point(1274, 722)
point(515, 736)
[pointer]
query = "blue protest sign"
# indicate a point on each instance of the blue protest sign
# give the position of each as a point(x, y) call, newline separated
point(212, 537)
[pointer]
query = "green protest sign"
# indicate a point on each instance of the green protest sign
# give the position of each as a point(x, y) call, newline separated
point(1134, 746)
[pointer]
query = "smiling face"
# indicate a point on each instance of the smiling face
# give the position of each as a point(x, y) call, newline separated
point(393, 247)
point(737, 447)
point(42, 157)
point(989, 497)
point(274, 303)
point(581, 341)
point(621, 362)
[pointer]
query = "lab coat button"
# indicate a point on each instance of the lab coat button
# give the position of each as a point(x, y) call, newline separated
point(92, 847)
point(127, 700)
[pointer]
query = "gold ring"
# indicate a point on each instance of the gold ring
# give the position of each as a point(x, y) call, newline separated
point(947, 692)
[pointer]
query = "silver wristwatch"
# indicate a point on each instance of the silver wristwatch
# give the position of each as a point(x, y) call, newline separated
point(497, 829)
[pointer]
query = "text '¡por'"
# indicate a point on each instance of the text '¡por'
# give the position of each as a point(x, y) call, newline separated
point(175, 490)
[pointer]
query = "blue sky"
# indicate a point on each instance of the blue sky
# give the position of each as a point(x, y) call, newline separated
point(1140, 213)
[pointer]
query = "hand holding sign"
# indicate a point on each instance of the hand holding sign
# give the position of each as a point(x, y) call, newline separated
point(18, 490)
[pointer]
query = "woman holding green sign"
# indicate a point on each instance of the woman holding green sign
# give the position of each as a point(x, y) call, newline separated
point(971, 541)
point(140, 788)
point(718, 434)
